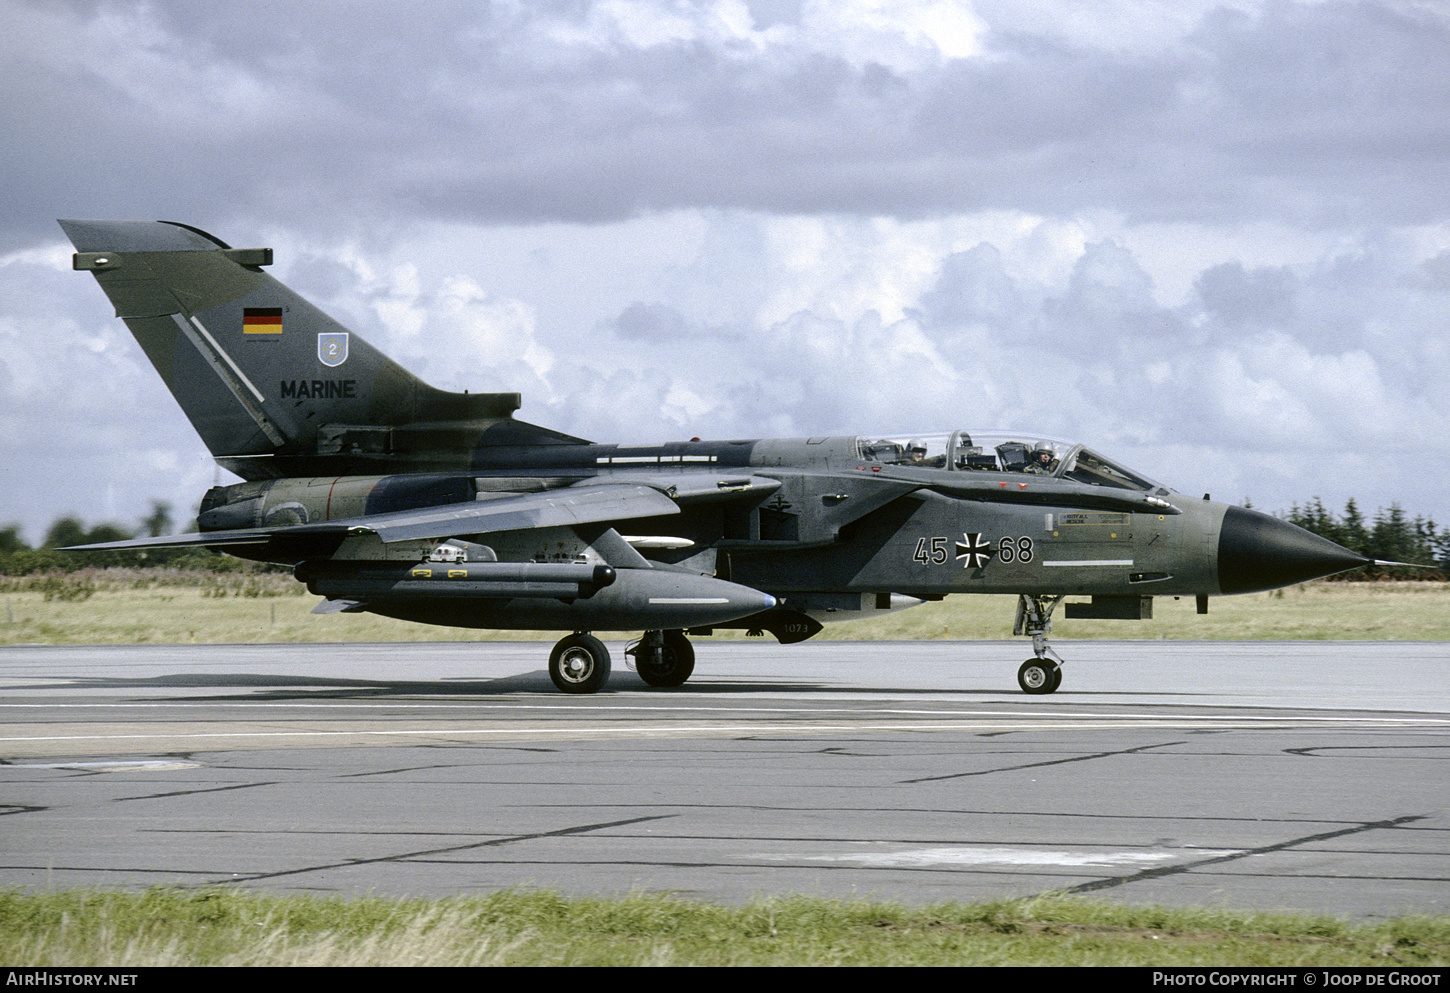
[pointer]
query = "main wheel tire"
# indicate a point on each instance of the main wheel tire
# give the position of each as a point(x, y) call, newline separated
point(671, 665)
point(1038, 676)
point(579, 664)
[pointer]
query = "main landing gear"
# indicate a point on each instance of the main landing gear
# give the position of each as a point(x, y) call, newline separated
point(663, 658)
point(580, 662)
point(1038, 674)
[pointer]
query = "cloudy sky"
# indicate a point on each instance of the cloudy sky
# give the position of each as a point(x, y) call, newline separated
point(1210, 237)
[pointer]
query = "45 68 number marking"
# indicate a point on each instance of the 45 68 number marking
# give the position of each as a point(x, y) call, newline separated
point(974, 550)
point(1019, 549)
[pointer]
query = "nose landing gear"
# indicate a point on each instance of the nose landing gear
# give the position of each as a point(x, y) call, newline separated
point(1038, 674)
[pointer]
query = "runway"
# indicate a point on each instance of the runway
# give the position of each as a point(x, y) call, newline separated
point(1304, 775)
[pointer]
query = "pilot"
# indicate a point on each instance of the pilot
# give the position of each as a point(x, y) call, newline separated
point(916, 455)
point(1043, 460)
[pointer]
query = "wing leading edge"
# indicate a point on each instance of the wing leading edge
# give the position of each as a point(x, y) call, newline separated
point(575, 505)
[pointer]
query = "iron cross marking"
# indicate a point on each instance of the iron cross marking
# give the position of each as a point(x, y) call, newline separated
point(974, 549)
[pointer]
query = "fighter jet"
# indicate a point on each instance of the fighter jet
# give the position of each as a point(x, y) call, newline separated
point(389, 496)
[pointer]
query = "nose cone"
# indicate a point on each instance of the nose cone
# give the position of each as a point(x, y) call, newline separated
point(1258, 552)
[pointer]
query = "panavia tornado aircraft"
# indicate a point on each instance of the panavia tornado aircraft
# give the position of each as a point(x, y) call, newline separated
point(388, 495)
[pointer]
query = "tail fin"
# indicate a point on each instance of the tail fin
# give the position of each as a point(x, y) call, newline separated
point(272, 384)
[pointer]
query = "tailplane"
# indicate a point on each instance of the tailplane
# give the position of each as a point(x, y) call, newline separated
point(272, 384)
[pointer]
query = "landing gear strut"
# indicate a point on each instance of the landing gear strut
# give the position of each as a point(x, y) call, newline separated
point(1038, 674)
point(579, 664)
point(663, 658)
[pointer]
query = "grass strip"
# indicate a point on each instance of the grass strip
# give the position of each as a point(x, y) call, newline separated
point(117, 607)
point(230, 927)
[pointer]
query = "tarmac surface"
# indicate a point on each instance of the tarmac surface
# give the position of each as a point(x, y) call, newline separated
point(1288, 775)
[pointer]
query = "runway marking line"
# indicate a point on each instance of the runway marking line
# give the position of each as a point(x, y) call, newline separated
point(660, 730)
point(1416, 720)
point(974, 855)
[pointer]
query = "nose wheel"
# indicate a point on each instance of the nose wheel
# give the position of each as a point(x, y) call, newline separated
point(1038, 674)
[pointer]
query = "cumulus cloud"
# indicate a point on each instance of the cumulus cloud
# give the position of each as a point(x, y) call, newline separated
point(1210, 237)
point(597, 111)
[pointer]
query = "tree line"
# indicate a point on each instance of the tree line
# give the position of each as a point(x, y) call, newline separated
point(17, 558)
point(1391, 536)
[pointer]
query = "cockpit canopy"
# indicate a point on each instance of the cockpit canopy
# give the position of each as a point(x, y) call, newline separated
point(962, 451)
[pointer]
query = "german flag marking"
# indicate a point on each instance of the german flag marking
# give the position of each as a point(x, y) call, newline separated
point(262, 320)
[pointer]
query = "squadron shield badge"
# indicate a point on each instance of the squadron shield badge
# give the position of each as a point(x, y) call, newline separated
point(332, 348)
